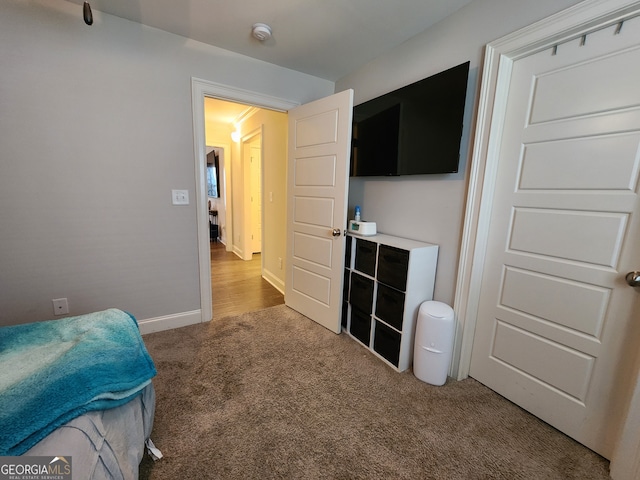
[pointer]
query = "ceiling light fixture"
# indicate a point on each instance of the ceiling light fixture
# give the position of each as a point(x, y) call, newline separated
point(261, 31)
point(235, 136)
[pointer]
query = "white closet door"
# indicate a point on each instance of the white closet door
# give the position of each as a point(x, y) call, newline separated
point(557, 323)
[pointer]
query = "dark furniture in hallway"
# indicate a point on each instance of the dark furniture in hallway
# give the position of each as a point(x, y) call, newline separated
point(213, 225)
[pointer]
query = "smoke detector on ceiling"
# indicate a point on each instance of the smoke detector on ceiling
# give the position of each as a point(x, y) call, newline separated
point(261, 31)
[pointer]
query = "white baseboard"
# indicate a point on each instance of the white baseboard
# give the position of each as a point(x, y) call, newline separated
point(277, 283)
point(168, 322)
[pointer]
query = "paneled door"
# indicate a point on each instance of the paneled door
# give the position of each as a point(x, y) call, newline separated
point(256, 193)
point(317, 184)
point(558, 325)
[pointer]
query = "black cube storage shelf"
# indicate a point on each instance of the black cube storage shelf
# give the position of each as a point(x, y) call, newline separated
point(386, 280)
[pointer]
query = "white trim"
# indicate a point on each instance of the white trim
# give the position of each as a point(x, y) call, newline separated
point(168, 322)
point(238, 252)
point(246, 115)
point(475, 224)
point(499, 56)
point(199, 90)
point(234, 94)
point(570, 23)
point(202, 215)
point(273, 280)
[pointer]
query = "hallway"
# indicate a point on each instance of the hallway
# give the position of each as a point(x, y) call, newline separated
point(237, 286)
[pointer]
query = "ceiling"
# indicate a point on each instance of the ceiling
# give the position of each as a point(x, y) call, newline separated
point(222, 111)
point(323, 38)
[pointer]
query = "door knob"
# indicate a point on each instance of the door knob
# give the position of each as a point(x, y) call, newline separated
point(336, 232)
point(633, 279)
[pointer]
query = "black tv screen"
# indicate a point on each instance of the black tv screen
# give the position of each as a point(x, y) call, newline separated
point(414, 130)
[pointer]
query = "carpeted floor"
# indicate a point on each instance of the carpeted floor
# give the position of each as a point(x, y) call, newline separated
point(271, 394)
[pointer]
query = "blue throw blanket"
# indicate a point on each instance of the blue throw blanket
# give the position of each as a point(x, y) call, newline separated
point(54, 371)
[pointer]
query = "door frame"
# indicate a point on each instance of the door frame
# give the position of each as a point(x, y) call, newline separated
point(199, 90)
point(498, 60)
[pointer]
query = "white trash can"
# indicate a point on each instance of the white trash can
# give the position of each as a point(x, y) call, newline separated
point(433, 345)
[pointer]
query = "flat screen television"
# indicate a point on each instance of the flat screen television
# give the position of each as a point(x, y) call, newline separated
point(414, 130)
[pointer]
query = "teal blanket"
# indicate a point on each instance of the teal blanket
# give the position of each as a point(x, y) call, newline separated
point(54, 371)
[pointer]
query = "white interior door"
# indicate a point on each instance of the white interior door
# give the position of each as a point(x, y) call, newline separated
point(558, 328)
point(317, 186)
point(256, 194)
point(252, 194)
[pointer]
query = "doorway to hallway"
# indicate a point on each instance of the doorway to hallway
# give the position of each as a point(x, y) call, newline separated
point(237, 284)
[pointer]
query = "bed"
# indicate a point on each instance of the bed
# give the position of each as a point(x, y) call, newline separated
point(78, 387)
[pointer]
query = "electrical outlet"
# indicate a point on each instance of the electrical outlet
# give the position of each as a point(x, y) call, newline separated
point(280, 262)
point(60, 306)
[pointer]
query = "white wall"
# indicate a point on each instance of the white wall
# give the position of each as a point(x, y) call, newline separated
point(95, 131)
point(431, 207)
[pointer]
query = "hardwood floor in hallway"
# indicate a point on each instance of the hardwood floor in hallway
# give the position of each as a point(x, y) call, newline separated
point(237, 285)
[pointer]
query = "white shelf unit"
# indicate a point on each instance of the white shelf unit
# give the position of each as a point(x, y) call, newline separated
point(386, 280)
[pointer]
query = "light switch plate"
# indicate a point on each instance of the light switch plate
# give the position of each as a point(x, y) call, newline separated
point(180, 197)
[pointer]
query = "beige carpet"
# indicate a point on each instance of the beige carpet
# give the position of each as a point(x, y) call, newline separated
point(271, 394)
